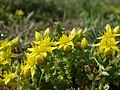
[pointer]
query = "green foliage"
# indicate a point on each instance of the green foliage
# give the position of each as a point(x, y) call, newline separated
point(48, 65)
point(59, 59)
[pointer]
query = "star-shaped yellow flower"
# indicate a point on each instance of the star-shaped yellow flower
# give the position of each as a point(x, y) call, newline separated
point(108, 42)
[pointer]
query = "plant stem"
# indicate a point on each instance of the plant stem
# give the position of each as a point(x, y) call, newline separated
point(93, 83)
point(41, 78)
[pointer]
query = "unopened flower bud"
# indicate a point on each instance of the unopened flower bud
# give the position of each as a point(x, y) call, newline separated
point(84, 43)
point(38, 36)
point(116, 30)
point(78, 44)
point(47, 31)
point(66, 48)
point(27, 72)
point(108, 51)
point(80, 32)
point(39, 59)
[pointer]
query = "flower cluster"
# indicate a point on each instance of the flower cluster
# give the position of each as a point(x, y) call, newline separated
point(6, 55)
point(19, 12)
point(6, 49)
point(62, 59)
point(108, 42)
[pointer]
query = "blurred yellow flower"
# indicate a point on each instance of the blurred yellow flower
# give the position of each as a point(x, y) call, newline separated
point(8, 77)
point(80, 32)
point(6, 49)
point(20, 12)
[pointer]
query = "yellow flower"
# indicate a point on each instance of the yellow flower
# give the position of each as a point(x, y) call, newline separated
point(6, 43)
point(19, 12)
point(109, 33)
point(3, 44)
point(108, 43)
point(6, 53)
point(65, 40)
point(39, 50)
point(28, 68)
point(44, 46)
point(8, 77)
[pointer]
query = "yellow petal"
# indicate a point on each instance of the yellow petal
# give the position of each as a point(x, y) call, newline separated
point(14, 55)
point(47, 31)
point(15, 41)
point(73, 31)
point(115, 48)
point(108, 51)
point(31, 49)
point(50, 49)
point(96, 44)
point(70, 43)
point(60, 46)
point(44, 54)
point(54, 43)
point(116, 30)
point(38, 36)
point(32, 71)
point(108, 28)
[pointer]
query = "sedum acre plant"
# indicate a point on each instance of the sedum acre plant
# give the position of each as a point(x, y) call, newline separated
point(62, 59)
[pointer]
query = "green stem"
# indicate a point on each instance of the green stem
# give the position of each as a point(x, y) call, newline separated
point(18, 81)
point(41, 78)
point(93, 83)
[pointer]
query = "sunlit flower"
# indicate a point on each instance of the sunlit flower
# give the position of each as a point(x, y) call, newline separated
point(109, 33)
point(108, 42)
point(19, 12)
point(8, 77)
point(37, 54)
point(6, 48)
point(65, 40)
point(44, 46)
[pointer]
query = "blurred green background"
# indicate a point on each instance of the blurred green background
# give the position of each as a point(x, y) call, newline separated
point(92, 15)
